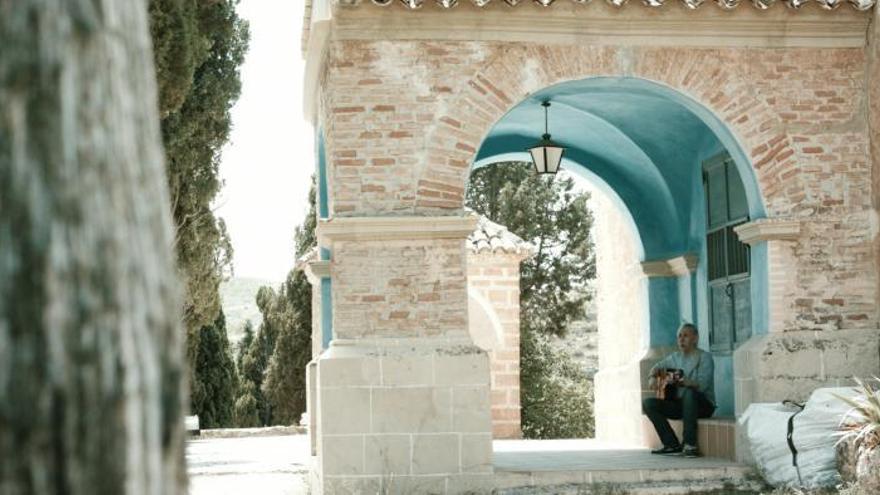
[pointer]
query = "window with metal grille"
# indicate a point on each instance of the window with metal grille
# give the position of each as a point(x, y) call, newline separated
point(729, 298)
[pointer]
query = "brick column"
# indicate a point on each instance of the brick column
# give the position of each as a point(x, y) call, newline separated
point(402, 393)
point(495, 277)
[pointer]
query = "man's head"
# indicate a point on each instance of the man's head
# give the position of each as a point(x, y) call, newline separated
point(687, 337)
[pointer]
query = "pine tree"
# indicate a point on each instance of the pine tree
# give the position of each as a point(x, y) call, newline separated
point(215, 380)
point(556, 397)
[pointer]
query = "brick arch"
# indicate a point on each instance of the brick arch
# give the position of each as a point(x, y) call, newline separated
point(705, 76)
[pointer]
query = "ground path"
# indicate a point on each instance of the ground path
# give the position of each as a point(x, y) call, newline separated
point(268, 465)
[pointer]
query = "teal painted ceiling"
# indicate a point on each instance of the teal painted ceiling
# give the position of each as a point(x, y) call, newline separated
point(643, 141)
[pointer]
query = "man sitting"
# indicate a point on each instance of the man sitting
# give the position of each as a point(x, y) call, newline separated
point(694, 395)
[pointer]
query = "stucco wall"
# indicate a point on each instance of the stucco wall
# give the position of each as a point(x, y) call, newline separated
point(621, 306)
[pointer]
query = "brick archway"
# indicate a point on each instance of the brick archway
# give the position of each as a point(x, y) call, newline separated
point(703, 76)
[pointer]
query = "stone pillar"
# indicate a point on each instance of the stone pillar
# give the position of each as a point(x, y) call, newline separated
point(315, 270)
point(621, 307)
point(402, 393)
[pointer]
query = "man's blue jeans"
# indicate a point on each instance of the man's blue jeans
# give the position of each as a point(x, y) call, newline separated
point(691, 406)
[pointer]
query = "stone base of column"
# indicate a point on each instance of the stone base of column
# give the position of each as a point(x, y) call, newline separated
point(403, 416)
point(790, 365)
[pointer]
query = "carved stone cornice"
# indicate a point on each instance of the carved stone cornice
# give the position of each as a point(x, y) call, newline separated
point(394, 228)
point(768, 229)
point(672, 267)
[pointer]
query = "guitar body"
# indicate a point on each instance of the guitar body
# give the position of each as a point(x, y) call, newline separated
point(667, 383)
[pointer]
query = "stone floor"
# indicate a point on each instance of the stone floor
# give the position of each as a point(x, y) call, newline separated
point(270, 465)
point(278, 465)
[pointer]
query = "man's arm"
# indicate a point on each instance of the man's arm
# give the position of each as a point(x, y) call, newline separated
point(705, 374)
point(652, 374)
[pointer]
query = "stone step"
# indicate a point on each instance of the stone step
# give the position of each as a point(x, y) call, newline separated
point(570, 467)
point(642, 481)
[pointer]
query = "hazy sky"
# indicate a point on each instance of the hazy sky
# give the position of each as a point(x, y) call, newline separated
point(269, 160)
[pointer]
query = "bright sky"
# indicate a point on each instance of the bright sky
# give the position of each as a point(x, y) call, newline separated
point(267, 164)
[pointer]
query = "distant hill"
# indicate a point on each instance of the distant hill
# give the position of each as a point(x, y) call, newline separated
point(239, 304)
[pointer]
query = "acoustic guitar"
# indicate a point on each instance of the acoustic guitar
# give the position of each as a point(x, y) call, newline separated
point(668, 380)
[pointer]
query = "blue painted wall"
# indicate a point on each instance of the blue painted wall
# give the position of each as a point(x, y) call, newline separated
point(324, 253)
point(645, 143)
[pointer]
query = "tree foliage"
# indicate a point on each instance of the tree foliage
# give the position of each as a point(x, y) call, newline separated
point(556, 396)
point(215, 380)
point(275, 361)
point(244, 344)
point(199, 47)
point(256, 359)
point(550, 214)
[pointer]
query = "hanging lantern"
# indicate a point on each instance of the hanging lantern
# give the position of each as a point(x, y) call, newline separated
point(546, 155)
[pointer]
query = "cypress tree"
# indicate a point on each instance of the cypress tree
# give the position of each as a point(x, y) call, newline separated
point(199, 47)
point(285, 384)
point(215, 380)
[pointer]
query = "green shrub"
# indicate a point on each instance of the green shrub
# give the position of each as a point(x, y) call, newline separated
point(557, 397)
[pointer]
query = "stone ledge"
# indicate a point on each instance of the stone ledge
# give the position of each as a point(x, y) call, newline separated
point(768, 229)
point(672, 267)
point(570, 23)
point(406, 228)
point(316, 270)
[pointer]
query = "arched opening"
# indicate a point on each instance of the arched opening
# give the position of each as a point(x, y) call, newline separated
point(677, 179)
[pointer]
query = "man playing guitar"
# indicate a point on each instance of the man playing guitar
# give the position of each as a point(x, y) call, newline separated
point(684, 382)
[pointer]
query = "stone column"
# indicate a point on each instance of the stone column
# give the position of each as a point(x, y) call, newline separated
point(402, 393)
point(316, 272)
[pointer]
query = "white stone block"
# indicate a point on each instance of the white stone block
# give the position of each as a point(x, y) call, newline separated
point(412, 410)
point(342, 455)
point(344, 410)
point(471, 367)
point(348, 371)
point(476, 453)
point(387, 454)
point(407, 370)
point(436, 454)
point(471, 409)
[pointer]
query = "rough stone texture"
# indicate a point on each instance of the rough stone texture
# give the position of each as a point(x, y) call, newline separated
point(790, 365)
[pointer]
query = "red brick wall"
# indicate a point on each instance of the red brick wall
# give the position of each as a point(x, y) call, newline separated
point(496, 278)
point(403, 121)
